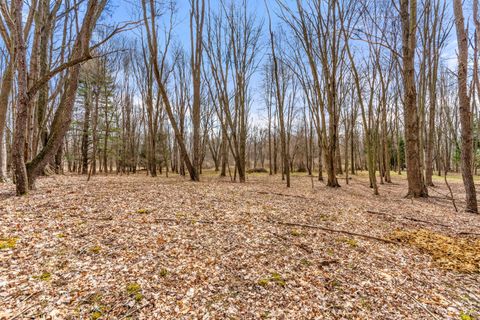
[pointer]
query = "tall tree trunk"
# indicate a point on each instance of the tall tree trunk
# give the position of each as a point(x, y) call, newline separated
point(416, 184)
point(197, 11)
point(5, 90)
point(280, 109)
point(464, 109)
point(63, 116)
point(86, 132)
point(19, 139)
point(59, 160)
point(94, 135)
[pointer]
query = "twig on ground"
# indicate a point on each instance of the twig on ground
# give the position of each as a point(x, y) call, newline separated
point(333, 230)
point(283, 194)
point(30, 296)
point(133, 310)
point(466, 233)
point(158, 220)
point(299, 245)
point(409, 218)
point(419, 303)
point(22, 312)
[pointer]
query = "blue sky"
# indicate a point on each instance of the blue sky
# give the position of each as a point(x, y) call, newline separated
point(128, 10)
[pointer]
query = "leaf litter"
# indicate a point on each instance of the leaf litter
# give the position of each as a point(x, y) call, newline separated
point(210, 250)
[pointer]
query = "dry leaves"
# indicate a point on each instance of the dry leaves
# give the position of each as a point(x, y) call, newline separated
point(166, 248)
point(450, 253)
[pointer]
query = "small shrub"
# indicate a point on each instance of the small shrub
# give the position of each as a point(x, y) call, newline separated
point(465, 316)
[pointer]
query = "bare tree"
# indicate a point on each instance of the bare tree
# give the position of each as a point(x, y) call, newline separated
point(150, 8)
point(464, 109)
point(416, 182)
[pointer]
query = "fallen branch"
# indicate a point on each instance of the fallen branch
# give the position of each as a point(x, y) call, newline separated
point(282, 194)
point(133, 310)
point(302, 246)
point(465, 233)
point(419, 303)
point(427, 222)
point(409, 218)
point(333, 230)
point(22, 312)
point(158, 220)
point(30, 296)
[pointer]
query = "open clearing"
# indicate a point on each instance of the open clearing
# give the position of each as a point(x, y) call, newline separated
point(166, 248)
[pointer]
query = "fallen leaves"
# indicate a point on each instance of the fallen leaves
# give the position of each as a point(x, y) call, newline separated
point(450, 253)
point(165, 248)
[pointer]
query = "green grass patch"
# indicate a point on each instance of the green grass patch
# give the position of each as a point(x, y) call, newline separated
point(45, 276)
point(351, 242)
point(134, 290)
point(95, 250)
point(163, 272)
point(8, 243)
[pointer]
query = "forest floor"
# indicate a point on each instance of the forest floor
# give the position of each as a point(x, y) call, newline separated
point(120, 247)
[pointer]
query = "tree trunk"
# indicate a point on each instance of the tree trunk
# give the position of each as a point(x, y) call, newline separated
point(464, 109)
point(19, 139)
point(6, 88)
point(86, 132)
point(416, 185)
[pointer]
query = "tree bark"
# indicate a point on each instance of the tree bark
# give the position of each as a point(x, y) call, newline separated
point(464, 109)
point(22, 102)
point(416, 184)
point(85, 132)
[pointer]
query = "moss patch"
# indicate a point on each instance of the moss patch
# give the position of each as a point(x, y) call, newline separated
point(134, 290)
point(45, 276)
point(449, 253)
point(263, 282)
point(95, 250)
point(8, 243)
point(305, 262)
point(295, 233)
point(95, 315)
point(351, 242)
point(163, 272)
point(275, 278)
point(278, 279)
